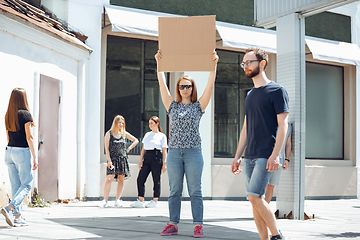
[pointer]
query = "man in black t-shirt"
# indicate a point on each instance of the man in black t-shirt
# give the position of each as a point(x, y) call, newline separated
point(263, 135)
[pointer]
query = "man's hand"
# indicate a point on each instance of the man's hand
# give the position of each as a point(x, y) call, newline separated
point(273, 163)
point(285, 165)
point(235, 166)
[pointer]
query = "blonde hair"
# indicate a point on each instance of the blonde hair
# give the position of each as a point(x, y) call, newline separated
point(18, 101)
point(156, 120)
point(194, 89)
point(115, 125)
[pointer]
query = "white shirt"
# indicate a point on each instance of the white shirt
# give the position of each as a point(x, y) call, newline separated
point(154, 140)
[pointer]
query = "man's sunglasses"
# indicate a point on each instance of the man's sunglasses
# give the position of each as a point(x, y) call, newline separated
point(182, 87)
point(248, 62)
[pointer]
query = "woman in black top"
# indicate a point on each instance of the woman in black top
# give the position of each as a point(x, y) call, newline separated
point(18, 154)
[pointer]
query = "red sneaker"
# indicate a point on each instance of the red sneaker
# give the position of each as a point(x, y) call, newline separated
point(170, 229)
point(198, 232)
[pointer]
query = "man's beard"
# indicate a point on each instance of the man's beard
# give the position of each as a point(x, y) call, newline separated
point(253, 73)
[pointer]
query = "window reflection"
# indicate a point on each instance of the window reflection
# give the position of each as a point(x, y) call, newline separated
point(131, 84)
point(324, 111)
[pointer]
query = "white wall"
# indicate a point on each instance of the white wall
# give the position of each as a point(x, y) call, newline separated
point(25, 53)
point(86, 15)
point(59, 6)
point(89, 22)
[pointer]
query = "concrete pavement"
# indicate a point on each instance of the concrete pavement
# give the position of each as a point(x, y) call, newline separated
point(334, 219)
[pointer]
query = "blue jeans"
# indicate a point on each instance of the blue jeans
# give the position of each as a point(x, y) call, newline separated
point(18, 161)
point(256, 176)
point(188, 161)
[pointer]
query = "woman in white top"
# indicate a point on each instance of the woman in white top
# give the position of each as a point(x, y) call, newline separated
point(152, 159)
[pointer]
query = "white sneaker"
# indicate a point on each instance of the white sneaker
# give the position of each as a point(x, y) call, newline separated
point(151, 204)
point(8, 214)
point(103, 204)
point(138, 204)
point(20, 222)
point(118, 203)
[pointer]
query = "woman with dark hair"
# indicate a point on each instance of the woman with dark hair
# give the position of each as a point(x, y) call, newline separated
point(117, 158)
point(18, 154)
point(184, 155)
point(152, 159)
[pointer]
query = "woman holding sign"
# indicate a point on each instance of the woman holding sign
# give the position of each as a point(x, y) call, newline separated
point(184, 155)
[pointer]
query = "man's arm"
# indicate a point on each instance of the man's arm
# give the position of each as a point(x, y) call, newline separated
point(273, 160)
point(235, 165)
point(288, 148)
point(287, 152)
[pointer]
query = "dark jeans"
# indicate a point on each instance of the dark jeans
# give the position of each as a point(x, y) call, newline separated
point(152, 163)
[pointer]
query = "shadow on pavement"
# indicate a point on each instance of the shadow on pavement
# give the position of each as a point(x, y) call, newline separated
point(149, 228)
point(343, 235)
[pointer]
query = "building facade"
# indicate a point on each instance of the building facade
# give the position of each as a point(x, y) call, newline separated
point(120, 78)
point(330, 114)
point(51, 65)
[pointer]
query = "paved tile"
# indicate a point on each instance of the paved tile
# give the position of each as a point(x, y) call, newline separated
point(334, 219)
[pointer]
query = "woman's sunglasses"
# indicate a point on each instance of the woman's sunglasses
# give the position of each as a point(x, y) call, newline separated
point(182, 87)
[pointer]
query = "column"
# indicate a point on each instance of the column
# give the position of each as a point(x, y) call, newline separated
point(290, 31)
point(355, 29)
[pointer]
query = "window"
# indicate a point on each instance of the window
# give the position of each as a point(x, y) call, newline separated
point(132, 89)
point(231, 87)
point(324, 111)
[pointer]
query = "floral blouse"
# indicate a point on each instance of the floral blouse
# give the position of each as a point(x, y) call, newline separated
point(184, 125)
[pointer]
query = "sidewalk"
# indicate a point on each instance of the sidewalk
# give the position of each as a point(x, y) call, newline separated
point(334, 219)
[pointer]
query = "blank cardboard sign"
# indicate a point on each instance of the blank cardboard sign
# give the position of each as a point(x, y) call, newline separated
point(187, 43)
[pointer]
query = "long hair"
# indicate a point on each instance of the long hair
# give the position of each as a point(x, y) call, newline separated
point(194, 89)
point(18, 101)
point(115, 125)
point(157, 120)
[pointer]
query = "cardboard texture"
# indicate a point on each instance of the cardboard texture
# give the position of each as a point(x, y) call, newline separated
point(187, 43)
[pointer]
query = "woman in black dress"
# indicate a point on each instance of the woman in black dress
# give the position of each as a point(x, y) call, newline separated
point(116, 153)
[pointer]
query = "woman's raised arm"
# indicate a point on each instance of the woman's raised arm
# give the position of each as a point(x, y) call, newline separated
point(205, 97)
point(164, 90)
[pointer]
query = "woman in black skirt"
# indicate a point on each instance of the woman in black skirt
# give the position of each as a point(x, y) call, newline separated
point(118, 163)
